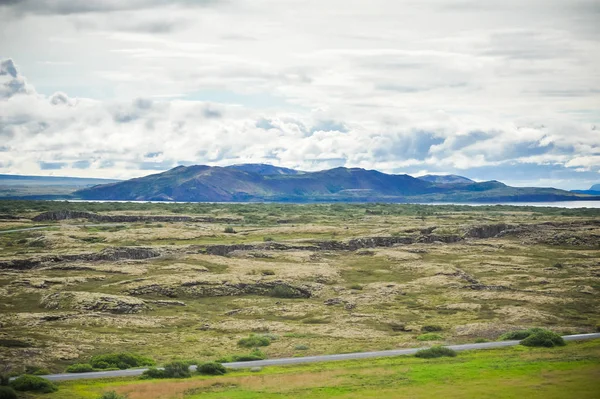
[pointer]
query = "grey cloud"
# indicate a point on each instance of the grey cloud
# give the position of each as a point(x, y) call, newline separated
point(265, 124)
point(60, 98)
point(460, 141)
point(10, 80)
point(81, 164)
point(211, 113)
point(66, 7)
point(329, 126)
point(51, 165)
point(7, 67)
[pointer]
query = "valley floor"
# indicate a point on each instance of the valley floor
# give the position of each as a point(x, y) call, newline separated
point(517, 372)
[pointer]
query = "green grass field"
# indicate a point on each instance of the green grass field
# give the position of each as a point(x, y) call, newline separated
point(517, 372)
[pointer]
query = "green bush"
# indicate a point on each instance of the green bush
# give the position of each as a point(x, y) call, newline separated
point(481, 340)
point(79, 368)
point(7, 393)
point(177, 370)
point(28, 382)
point(229, 230)
point(36, 370)
point(112, 395)
point(254, 341)
point(429, 337)
point(435, 351)
point(120, 360)
point(431, 328)
point(212, 368)
point(153, 372)
point(519, 334)
point(256, 354)
point(544, 338)
point(301, 347)
point(356, 287)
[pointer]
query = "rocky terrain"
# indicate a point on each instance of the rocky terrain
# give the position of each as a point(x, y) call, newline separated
point(194, 279)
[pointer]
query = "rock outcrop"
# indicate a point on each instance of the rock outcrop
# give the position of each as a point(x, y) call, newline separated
point(110, 254)
point(67, 214)
point(92, 301)
point(213, 288)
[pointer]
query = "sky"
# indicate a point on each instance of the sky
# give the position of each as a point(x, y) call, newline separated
point(492, 90)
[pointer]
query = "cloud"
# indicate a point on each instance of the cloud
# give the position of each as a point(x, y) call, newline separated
point(440, 86)
point(67, 7)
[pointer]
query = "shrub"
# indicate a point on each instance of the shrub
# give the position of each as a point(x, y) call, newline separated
point(36, 370)
point(431, 328)
point(544, 338)
point(177, 370)
point(254, 341)
point(112, 395)
point(268, 239)
point(429, 337)
point(229, 230)
point(301, 347)
point(435, 351)
point(519, 334)
point(268, 272)
point(80, 368)
point(481, 340)
point(256, 354)
point(28, 382)
point(7, 393)
point(212, 368)
point(356, 287)
point(120, 360)
point(153, 372)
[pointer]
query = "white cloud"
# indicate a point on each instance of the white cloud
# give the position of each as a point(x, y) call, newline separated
point(443, 86)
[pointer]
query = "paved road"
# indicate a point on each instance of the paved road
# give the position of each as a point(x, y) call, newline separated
point(310, 359)
point(58, 225)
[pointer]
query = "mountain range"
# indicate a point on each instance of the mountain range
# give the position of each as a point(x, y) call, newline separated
point(259, 182)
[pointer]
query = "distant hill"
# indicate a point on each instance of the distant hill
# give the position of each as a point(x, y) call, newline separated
point(446, 179)
point(201, 183)
point(44, 187)
point(594, 190)
point(264, 169)
point(11, 180)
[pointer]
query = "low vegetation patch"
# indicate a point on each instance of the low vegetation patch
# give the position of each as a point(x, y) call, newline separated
point(14, 343)
point(7, 393)
point(80, 368)
point(435, 351)
point(171, 370)
point(212, 368)
point(256, 354)
point(254, 341)
point(432, 328)
point(33, 383)
point(544, 338)
point(112, 395)
point(120, 360)
point(430, 337)
point(519, 334)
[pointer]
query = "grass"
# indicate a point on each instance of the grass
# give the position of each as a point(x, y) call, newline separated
point(565, 372)
point(388, 296)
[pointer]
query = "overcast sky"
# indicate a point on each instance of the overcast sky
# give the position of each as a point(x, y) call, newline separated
point(506, 90)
